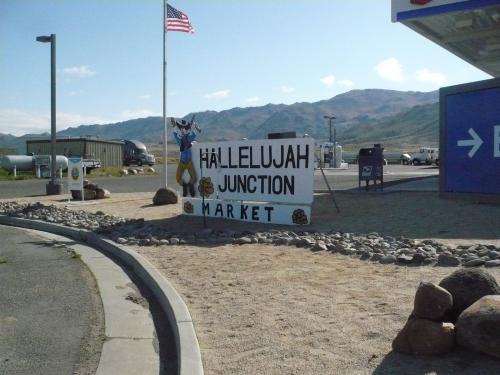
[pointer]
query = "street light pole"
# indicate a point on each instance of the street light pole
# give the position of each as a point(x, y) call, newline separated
point(54, 187)
point(330, 118)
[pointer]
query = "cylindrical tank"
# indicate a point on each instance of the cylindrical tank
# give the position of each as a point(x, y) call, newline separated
point(61, 162)
point(21, 162)
point(338, 156)
point(26, 163)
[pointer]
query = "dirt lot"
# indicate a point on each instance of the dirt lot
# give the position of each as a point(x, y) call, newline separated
point(282, 310)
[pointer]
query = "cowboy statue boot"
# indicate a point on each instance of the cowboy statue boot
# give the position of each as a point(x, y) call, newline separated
point(184, 190)
point(191, 190)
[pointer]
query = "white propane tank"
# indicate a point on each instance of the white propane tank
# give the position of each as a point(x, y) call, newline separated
point(27, 163)
point(338, 156)
point(21, 162)
point(61, 162)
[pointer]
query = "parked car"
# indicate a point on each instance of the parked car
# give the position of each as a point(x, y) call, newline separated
point(425, 155)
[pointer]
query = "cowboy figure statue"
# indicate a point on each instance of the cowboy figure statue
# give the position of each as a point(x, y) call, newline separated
point(185, 134)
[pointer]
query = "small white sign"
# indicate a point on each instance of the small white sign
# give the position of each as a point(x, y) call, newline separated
point(75, 174)
point(256, 212)
point(265, 170)
point(42, 160)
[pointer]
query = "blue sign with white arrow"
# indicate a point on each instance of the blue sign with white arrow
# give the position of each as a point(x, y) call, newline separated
point(471, 139)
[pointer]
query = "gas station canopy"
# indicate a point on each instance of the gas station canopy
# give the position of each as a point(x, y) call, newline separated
point(470, 29)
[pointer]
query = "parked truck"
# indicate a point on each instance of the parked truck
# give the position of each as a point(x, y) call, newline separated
point(135, 152)
point(425, 155)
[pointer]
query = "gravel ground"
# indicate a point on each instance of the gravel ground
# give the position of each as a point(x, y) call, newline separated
point(271, 309)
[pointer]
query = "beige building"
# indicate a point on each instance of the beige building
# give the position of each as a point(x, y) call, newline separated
point(110, 153)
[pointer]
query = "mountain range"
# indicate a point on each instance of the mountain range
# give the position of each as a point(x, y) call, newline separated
point(394, 118)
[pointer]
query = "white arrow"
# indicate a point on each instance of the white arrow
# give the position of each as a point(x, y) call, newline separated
point(475, 142)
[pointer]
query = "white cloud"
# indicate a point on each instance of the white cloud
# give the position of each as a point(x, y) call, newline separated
point(252, 99)
point(425, 75)
point(79, 71)
point(138, 113)
point(328, 80)
point(19, 122)
point(76, 93)
point(286, 89)
point(346, 82)
point(145, 97)
point(221, 94)
point(390, 69)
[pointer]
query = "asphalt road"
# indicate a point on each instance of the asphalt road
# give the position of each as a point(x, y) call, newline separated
point(339, 180)
point(50, 311)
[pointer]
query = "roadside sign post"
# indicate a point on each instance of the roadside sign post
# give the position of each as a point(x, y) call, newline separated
point(75, 176)
point(470, 141)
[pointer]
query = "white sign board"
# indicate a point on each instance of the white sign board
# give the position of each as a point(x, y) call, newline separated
point(42, 160)
point(257, 212)
point(75, 174)
point(267, 170)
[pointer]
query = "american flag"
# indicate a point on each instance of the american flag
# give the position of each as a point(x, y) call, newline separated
point(177, 21)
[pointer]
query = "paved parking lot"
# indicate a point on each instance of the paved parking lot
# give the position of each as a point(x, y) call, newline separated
point(51, 318)
point(338, 179)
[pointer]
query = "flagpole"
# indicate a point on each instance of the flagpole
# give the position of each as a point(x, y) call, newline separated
point(165, 133)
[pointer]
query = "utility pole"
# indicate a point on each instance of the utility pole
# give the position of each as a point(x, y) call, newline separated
point(54, 187)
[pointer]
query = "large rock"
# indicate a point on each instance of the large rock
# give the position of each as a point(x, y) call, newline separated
point(431, 302)
point(425, 337)
point(88, 194)
point(91, 186)
point(478, 327)
point(467, 286)
point(448, 260)
point(101, 193)
point(165, 196)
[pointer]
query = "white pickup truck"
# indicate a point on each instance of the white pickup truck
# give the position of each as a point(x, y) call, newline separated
point(425, 155)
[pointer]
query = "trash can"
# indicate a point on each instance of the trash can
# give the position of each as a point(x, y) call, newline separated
point(371, 166)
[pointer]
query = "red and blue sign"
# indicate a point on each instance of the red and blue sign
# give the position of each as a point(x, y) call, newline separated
point(439, 7)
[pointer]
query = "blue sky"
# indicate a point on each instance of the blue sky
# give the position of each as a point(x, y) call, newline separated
point(243, 53)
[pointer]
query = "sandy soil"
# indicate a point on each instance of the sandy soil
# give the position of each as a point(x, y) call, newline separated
point(282, 310)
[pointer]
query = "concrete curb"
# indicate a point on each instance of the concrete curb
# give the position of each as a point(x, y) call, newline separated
point(188, 350)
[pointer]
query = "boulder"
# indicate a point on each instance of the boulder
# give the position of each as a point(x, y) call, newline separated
point(319, 246)
point(467, 286)
point(132, 171)
point(425, 337)
point(492, 263)
point(387, 259)
point(431, 302)
point(476, 262)
point(91, 186)
point(478, 327)
point(242, 241)
point(123, 172)
point(447, 260)
point(151, 170)
point(165, 196)
point(101, 193)
point(88, 194)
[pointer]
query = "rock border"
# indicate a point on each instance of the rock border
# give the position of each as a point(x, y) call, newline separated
point(179, 318)
point(372, 246)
